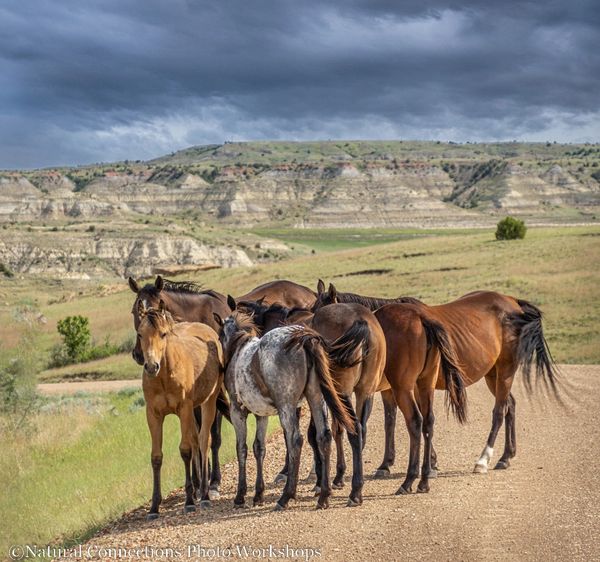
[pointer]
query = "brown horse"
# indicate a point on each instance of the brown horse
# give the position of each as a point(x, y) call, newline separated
point(186, 302)
point(286, 293)
point(489, 335)
point(183, 370)
point(355, 345)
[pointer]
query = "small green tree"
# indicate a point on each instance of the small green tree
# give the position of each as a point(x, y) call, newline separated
point(75, 331)
point(510, 228)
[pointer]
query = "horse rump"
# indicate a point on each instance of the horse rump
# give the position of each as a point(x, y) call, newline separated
point(344, 351)
point(314, 347)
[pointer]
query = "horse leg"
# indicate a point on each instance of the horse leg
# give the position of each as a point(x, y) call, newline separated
point(318, 463)
point(187, 448)
point(510, 441)
point(259, 454)
point(414, 423)
point(215, 445)
point(355, 439)
point(293, 440)
point(209, 409)
point(238, 419)
point(196, 464)
point(340, 466)
point(283, 473)
point(426, 407)
point(323, 439)
point(503, 383)
point(155, 425)
point(389, 408)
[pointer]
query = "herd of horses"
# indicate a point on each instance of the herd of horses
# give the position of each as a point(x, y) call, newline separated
point(207, 356)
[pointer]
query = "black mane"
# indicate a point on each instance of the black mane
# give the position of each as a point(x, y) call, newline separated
point(373, 303)
point(183, 287)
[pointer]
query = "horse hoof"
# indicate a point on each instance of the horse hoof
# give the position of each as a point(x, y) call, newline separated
point(337, 484)
point(278, 507)
point(256, 502)
point(205, 504)
point(280, 479)
point(502, 465)
point(433, 473)
point(353, 503)
point(189, 508)
point(214, 494)
point(316, 490)
point(151, 516)
point(403, 491)
point(423, 489)
point(480, 469)
point(323, 505)
point(239, 505)
point(382, 473)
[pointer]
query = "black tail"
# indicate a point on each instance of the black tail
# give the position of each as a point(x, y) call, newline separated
point(456, 393)
point(223, 404)
point(345, 350)
point(528, 327)
point(313, 346)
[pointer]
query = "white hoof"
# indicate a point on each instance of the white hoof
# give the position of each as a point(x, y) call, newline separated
point(480, 469)
point(280, 479)
point(214, 495)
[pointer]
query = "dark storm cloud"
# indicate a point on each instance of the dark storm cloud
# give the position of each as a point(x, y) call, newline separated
point(135, 78)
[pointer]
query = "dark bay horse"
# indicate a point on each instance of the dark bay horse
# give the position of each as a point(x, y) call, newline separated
point(490, 335)
point(286, 293)
point(355, 344)
point(186, 302)
point(183, 370)
point(268, 376)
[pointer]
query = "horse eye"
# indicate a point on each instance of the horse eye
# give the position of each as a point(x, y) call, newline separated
point(163, 335)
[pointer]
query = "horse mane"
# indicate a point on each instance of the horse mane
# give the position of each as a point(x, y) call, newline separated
point(154, 316)
point(373, 303)
point(186, 287)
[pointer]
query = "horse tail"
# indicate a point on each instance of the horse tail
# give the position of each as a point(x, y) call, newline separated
point(314, 347)
point(344, 350)
point(531, 342)
point(223, 404)
point(456, 393)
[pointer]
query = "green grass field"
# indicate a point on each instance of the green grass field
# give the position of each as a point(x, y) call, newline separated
point(85, 461)
point(557, 268)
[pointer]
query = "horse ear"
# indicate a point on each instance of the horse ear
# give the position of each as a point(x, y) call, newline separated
point(133, 285)
point(320, 286)
point(260, 301)
point(159, 283)
point(218, 319)
point(231, 303)
point(141, 309)
point(332, 293)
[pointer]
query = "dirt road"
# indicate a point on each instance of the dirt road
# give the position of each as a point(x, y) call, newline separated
point(544, 507)
point(51, 388)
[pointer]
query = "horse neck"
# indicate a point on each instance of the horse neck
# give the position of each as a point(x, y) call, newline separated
point(171, 357)
point(179, 304)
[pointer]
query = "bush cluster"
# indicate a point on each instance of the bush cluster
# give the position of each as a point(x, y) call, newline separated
point(510, 228)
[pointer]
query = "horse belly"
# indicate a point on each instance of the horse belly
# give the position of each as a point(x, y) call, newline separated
point(256, 403)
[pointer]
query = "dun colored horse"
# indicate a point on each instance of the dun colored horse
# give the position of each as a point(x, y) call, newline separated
point(183, 369)
point(270, 375)
point(355, 345)
point(186, 302)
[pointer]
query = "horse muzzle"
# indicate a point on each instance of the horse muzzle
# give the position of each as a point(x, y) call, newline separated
point(151, 369)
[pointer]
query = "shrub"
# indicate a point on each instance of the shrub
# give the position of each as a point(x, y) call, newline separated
point(510, 228)
point(75, 331)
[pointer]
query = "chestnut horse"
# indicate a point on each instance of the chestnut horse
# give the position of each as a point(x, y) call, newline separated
point(355, 345)
point(186, 302)
point(183, 370)
point(491, 335)
point(286, 293)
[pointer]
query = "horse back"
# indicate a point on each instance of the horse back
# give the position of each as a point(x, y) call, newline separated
point(286, 293)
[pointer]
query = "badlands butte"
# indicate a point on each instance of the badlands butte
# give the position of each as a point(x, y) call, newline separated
point(209, 205)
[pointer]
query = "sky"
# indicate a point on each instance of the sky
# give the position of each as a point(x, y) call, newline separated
point(108, 80)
